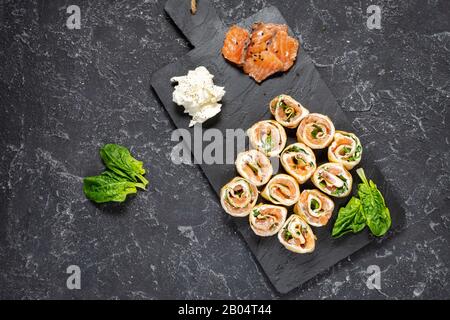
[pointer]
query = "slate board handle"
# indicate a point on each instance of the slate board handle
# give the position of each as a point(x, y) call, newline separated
point(200, 27)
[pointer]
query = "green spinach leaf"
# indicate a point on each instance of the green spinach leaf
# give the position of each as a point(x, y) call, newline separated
point(373, 207)
point(124, 174)
point(350, 219)
point(119, 160)
point(109, 186)
point(369, 209)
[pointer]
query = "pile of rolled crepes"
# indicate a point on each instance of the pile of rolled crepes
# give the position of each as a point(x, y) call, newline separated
point(311, 207)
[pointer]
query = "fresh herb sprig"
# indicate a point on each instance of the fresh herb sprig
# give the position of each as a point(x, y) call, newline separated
point(268, 145)
point(317, 129)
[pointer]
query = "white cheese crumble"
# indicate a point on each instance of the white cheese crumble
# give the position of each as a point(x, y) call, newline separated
point(198, 95)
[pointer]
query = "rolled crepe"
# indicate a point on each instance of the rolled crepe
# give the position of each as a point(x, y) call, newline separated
point(333, 179)
point(296, 235)
point(316, 131)
point(299, 161)
point(238, 197)
point(287, 111)
point(267, 136)
point(314, 207)
point(282, 189)
point(254, 166)
point(346, 149)
point(267, 219)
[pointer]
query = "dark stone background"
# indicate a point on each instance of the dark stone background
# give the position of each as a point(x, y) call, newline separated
point(64, 93)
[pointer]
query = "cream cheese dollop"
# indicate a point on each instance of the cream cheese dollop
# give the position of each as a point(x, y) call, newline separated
point(198, 95)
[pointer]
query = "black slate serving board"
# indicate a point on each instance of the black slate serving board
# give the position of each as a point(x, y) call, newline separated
point(245, 103)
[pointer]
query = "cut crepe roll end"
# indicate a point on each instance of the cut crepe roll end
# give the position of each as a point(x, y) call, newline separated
point(254, 166)
point(267, 136)
point(345, 149)
point(238, 197)
point(315, 207)
point(297, 236)
point(282, 189)
point(267, 219)
point(333, 179)
point(316, 131)
point(287, 111)
point(299, 161)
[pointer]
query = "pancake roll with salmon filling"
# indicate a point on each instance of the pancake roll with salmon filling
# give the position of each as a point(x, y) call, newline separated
point(297, 236)
point(254, 166)
point(299, 161)
point(314, 207)
point(287, 111)
point(333, 179)
point(238, 197)
point(267, 219)
point(316, 131)
point(267, 136)
point(282, 189)
point(345, 149)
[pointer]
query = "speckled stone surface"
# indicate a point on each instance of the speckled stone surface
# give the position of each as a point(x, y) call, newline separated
point(64, 93)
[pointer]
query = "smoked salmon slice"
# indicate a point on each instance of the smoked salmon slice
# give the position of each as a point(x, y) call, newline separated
point(285, 48)
point(267, 50)
point(261, 37)
point(262, 65)
point(235, 45)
